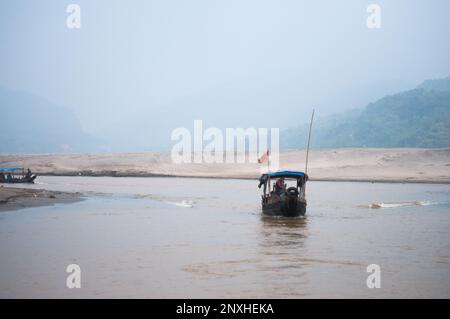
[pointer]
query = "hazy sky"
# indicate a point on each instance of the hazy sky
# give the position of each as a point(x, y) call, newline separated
point(142, 55)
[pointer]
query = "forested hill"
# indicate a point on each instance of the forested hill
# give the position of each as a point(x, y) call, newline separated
point(415, 118)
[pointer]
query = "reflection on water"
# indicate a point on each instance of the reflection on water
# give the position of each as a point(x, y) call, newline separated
point(281, 244)
point(281, 232)
point(194, 238)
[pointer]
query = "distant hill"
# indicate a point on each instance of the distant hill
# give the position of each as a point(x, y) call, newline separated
point(436, 85)
point(272, 100)
point(31, 124)
point(415, 118)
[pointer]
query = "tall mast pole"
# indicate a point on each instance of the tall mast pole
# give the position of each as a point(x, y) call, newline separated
point(309, 139)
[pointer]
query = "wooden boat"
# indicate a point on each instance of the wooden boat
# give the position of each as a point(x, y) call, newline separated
point(15, 175)
point(284, 200)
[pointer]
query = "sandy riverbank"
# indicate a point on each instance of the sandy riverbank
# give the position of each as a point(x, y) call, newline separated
point(381, 165)
point(12, 198)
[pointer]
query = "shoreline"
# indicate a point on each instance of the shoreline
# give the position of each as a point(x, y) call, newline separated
point(345, 180)
point(378, 165)
point(12, 198)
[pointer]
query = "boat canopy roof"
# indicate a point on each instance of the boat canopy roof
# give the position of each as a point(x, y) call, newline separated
point(286, 174)
point(10, 168)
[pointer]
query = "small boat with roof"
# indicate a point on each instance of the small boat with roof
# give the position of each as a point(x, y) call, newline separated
point(16, 175)
point(285, 196)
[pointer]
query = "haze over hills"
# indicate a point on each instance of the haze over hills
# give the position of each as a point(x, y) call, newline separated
point(239, 63)
point(414, 118)
point(134, 72)
point(268, 101)
point(31, 124)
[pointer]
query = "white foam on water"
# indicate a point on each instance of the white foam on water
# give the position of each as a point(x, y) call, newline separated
point(183, 203)
point(403, 204)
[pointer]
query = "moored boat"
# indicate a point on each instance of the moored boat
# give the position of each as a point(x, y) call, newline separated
point(16, 175)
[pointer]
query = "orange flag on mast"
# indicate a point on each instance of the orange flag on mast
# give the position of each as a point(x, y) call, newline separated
point(264, 158)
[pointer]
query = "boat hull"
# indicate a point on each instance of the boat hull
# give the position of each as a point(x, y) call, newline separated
point(281, 209)
point(21, 180)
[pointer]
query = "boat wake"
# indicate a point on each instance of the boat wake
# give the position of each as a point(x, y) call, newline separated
point(183, 203)
point(403, 204)
point(172, 200)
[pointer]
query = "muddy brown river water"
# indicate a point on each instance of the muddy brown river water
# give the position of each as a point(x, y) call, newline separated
point(206, 238)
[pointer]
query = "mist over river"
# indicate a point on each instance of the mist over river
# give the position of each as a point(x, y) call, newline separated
point(206, 238)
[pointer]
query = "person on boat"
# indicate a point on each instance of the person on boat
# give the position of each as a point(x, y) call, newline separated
point(9, 178)
point(28, 174)
point(262, 180)
point(2, 178)
point(279, 186)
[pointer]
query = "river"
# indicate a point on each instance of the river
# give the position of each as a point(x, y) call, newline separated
point(207, 238)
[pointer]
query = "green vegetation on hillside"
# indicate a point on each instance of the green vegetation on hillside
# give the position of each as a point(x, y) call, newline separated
point(415, 118)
